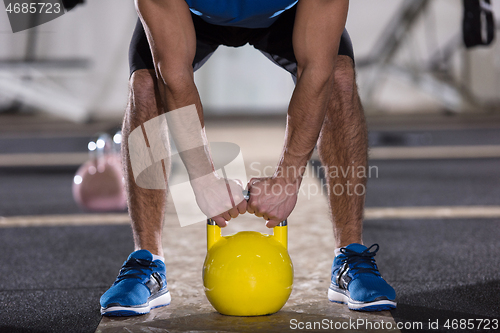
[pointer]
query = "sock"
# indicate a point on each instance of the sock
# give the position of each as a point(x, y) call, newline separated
point(155, 257)
point(337, 251)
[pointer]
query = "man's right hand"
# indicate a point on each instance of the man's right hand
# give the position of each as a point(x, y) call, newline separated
point(218, 198)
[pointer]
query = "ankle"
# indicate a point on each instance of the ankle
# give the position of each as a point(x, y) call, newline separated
point(155, 251)
point(157, 257)
point(341, 244)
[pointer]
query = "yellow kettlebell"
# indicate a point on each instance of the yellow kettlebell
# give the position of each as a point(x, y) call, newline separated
point(248, 273)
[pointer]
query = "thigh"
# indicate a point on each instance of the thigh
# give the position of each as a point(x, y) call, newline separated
point(276, 43)
point(140, 54)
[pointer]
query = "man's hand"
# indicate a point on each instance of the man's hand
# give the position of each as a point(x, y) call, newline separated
point(317, 31)
point(218, 198)
point(272, 199)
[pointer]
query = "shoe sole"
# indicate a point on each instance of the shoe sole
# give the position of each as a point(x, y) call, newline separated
point(156, 301)
point(340, 296)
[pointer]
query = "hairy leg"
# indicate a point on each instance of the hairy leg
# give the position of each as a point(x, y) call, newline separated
point(146, 206)
point(343, 150)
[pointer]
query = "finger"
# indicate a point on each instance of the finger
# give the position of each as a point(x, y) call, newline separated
point(252, 182)
point(272, 223)
point(226, 216)
point(220, 221)
point(242, 207)
point(251, 206)
point(233, 212)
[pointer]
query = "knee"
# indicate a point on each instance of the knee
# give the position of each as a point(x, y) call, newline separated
point(143, 104)
point(345, 78)
point(143, 92)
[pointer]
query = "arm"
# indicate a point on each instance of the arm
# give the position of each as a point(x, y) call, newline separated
point(172, 39)
point(318, 27)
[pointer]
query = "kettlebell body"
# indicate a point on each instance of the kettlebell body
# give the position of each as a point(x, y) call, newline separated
point(248, 273)
point(98, 184)
point(101, 185)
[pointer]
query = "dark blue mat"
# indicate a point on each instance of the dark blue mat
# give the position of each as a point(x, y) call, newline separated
point(51, 278)
point(441, 269)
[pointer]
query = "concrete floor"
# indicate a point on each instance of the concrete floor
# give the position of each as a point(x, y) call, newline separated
point(441, 268)
point(311, 248)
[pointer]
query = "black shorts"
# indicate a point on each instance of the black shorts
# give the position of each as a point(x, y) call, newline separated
point(275, 42)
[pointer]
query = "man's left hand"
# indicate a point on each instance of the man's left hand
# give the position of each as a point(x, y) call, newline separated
point(272, 198)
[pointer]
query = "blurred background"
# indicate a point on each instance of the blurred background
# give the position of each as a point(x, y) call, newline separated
point(433, 113)
point(426, 70)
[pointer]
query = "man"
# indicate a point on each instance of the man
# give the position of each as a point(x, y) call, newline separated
point(306, 38)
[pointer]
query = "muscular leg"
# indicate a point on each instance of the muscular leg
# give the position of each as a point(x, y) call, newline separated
point(343, 144)
point(146, 206)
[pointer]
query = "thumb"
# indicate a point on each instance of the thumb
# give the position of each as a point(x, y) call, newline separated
point(252, 182)
point(221, 222)
point(272, 223)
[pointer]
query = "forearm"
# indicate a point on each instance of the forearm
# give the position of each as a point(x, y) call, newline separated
point(317, 31)
point(172, 39)
point(306, 113)
point(185, 122)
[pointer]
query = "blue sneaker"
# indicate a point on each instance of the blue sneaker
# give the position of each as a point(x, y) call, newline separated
point(357, 282)
point(140, 287)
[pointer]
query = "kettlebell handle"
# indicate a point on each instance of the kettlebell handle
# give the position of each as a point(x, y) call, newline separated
point(246, 195)
point(280, 232)
point(281, 224)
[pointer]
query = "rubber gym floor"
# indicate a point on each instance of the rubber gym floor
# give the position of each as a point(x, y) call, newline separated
point(433, 206)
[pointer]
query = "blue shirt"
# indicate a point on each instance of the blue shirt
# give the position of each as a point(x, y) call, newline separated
point(240, 13)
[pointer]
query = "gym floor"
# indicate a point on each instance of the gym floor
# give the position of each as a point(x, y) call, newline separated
point(433, 207)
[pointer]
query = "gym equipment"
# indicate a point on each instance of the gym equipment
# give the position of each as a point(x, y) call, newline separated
point(35, 81)
point(478, 26)
point(70, 4)
point(248, 273)
point(435, 77)
point(98, 184)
